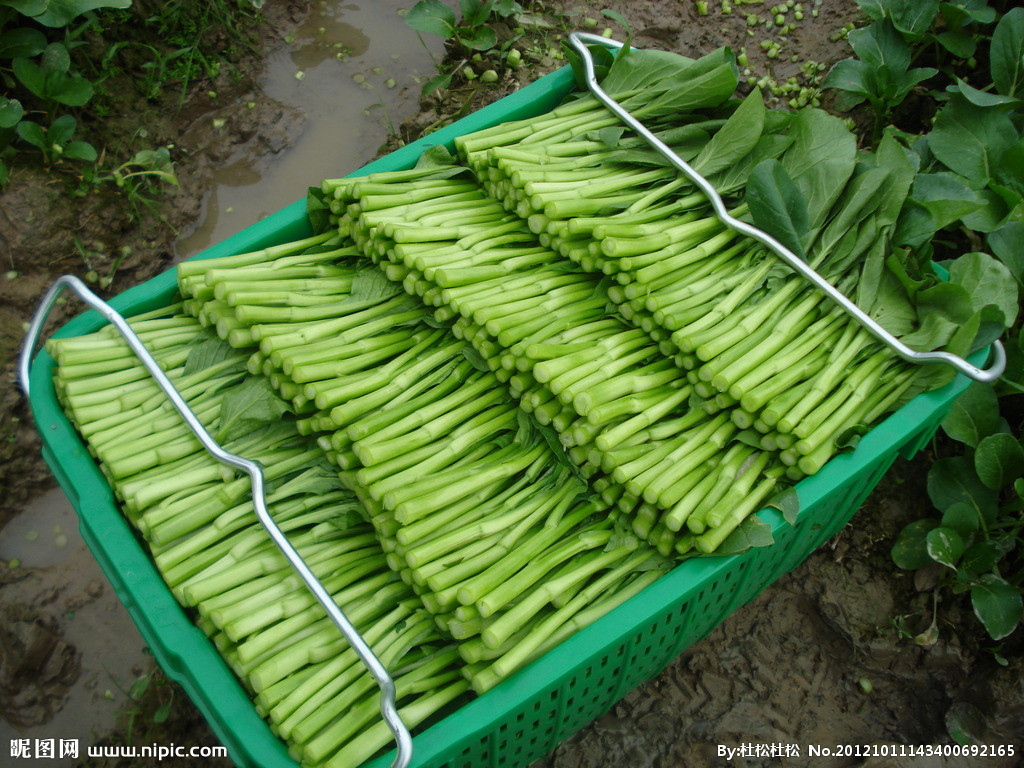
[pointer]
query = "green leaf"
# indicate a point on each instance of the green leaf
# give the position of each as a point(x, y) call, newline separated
point(777, 206)
point(21, 42)
point(974, 415)
point(820, 161)
point(752, 532)
point(965, 723)
point(788, 503)
point(60, 13)
point(910, 550)
point(997, 604)
point(956, 13)
point(250, 405)
point(988, 281)
point(944, 545)
point(1006, 54)
point(962, 518)
point(958, 43)
point(953, 479)
point(442, 80)
point(475, 358)
point(969, 139)
point(162, 712)
point(993, 212)
point(999, 460)
point(11, 112)
point(433, 17)
point(1007, 245)
point(881, 46)
point(481, 39)
point(852, 76)
point(33, 133)
point(372, 285)
point(736, 138)
point(983, 556)
point(669, 83)
point(61, 130)
point(209, 351)
point(912, 17)
point(981, 98)
point(1010, 169)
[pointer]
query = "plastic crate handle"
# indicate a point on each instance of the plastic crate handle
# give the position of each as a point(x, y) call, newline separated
point(389, 711)
point(985, 375)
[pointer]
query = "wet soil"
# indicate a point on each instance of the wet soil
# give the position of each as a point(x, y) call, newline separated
point(826, 656)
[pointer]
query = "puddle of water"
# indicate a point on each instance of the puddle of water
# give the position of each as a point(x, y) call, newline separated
point(65, 585)
point(352, 69)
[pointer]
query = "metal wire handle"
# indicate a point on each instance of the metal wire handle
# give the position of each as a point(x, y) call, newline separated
point(578, 40)
point(389, 711)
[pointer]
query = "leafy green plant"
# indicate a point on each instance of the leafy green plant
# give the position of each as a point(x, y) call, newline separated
point(56, 142)
point(466, 36)
point(980, 495)
point(881, 75)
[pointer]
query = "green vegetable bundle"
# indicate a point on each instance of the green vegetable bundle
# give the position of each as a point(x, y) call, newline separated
point(497, 397)
point(505, 548)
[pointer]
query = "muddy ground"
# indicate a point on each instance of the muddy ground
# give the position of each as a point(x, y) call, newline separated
point(826, 656)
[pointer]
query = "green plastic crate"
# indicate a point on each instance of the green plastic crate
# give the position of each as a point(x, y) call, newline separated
point(528, 715)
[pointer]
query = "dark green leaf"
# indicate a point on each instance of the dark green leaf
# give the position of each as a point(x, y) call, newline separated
point(961, 518)
point(60, 13)
point(1010, 168)
point(910, 551)
point(474, 12)
point(945, 197)
point(736, 138)
point(820, 161)
point(21, 42)
point(991, 215)
point(207, 352)
point(913, 17)
point(31, 132)
point(479, 39)
point(997, 604)
point(852, 76)
point(988, 281)
point(981, 98)
point(1006, 54)
point(788, 503)
point(668, 83)
point(958, 43)
point(441, 80)
point(881, 46)
point(11, 112)
point(969, 139)
point(74, 91)
point(974, 415)
point(999, 460)
point(965, 723)
point(61, 130)
point(966, 11)
point(944, 545)
point(752, 532)
point(1007, 245)
point(983, 556)
point(371, 284)
point(433, 17)
point(247, 407)
point(953, 479)
point(475, 358)
point(777, 206)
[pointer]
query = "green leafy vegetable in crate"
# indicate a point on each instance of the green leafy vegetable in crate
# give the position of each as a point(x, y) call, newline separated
point(562, 375)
